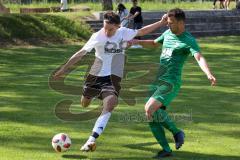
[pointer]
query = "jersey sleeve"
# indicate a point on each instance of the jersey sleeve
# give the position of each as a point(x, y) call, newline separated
point(129, 34)
point(91, 43)
point(161, 38)
point(194, 47)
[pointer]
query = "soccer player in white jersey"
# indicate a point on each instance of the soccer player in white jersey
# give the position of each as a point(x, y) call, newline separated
point(103, 80)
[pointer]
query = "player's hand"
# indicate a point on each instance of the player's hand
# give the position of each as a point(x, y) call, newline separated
point(148, 112)
point(164, 19)
point(59, 74)
point(148, 115)
point(212, 79)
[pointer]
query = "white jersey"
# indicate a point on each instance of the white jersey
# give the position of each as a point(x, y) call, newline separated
point(109, 51)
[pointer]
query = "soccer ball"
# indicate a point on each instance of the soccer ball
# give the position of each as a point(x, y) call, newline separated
point(61, 142)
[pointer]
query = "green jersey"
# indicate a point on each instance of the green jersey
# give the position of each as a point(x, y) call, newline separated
point(175, 50)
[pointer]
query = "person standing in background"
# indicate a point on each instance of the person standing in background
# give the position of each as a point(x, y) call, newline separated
point(123, 12)
point(226, 4)
point(238, 4)
point(221, 4)
point(64, 6)
point(136, 15)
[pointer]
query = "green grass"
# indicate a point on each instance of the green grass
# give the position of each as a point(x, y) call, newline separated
point(209, 115)
point(156, 6)
point(146, 6)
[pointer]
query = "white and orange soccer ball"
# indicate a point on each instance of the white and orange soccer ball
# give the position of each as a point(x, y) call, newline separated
point(61, 142)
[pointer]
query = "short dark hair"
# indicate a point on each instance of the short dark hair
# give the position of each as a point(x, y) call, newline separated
point(177, 13)
point(111, 17)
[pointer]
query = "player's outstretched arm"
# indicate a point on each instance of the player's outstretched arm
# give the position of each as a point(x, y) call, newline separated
point(144, 43)
point(152, 27)
point(204, 66)
point(74, 59)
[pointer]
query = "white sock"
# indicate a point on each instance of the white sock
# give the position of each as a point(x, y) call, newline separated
point(91, 139)
point(100, 124)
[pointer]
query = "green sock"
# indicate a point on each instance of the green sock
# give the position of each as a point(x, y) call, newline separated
point(159, 134)
point(162, 117)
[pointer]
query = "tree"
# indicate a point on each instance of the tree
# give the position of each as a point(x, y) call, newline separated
point(107, 5)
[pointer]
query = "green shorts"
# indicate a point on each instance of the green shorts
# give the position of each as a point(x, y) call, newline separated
point(165, 92)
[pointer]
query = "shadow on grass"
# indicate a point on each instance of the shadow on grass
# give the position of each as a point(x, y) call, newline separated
point(73, 156)
point(180, 155)
point(177, 155)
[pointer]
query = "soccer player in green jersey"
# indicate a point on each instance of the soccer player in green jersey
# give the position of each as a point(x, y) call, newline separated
point(177, 44)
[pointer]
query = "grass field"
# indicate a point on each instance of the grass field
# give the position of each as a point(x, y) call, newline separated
point(210, 116)
point(146, 6)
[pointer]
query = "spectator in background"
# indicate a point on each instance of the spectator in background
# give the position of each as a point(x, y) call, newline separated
point(64, 6)
point(221, 4)
point(136, 15)
point(123, 12)
point(238, 4)
point(226, 4)
point(214, 4)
